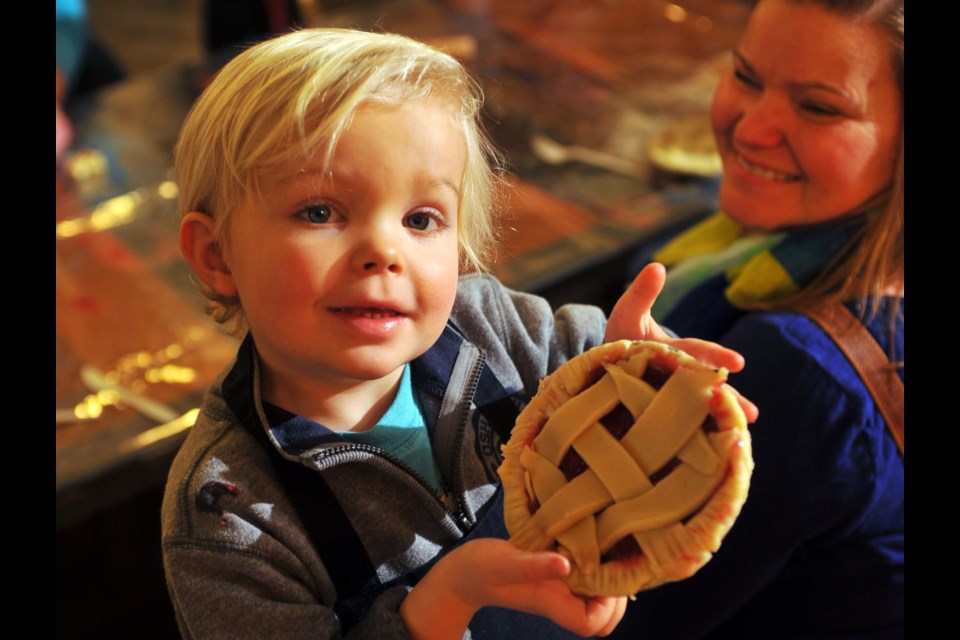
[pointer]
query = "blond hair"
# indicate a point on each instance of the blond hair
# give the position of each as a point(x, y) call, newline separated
point(291, 97)
point(872, 262)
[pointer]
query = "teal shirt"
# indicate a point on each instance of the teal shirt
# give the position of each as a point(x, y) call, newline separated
point(402, 432)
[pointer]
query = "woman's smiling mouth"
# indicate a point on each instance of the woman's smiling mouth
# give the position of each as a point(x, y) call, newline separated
point(763, 172)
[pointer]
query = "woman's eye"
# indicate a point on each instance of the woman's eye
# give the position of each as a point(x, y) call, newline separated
point(318, 213)
point(745, 79)
point(819, 109)
point(421, 221)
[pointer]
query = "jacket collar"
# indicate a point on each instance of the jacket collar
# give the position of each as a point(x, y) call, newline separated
point(431, 374)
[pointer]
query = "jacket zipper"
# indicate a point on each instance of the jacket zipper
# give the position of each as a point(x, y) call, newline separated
point(456, 491)
point(471, 390)
point(400, 464)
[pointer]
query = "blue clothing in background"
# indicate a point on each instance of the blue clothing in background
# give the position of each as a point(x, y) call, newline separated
point(85, 63)
point(817, 551)
point(71, 36)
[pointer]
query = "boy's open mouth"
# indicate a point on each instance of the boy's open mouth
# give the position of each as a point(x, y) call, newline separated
point(375, 313)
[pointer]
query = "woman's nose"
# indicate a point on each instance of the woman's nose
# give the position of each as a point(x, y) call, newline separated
point(762, 123)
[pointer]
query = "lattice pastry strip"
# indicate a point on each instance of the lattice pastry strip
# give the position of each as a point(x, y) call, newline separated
point(681, 400)
point(661, 484)
point(620, 474)
point(580, 540)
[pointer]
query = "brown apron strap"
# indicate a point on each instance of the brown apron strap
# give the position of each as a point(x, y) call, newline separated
point(869, 360)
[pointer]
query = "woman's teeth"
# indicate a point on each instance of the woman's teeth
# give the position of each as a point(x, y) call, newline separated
point(766, 174)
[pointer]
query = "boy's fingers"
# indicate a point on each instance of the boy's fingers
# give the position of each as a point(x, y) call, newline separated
point(505, 564)
point(710, 353)
point(610, 616)
point(750, 410)
point(643, 291)
point(716, 356)
point(589, 616)
point(630, 317)
point(534, 567)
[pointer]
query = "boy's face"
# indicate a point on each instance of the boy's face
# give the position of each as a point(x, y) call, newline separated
point(345, 277)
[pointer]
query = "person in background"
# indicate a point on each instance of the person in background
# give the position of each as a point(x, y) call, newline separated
point(238, 24)
point(809, 123)
point(84, 62)
point(83, 65)
point(64, 126)
point(341, 476)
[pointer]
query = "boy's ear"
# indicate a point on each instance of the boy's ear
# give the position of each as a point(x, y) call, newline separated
point(203, 250)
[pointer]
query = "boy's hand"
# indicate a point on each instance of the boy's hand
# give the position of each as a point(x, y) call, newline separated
point(493, 572)
point(631, 320)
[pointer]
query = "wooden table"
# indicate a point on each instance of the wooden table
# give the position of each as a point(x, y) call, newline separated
point(126, 308)
point(605, 75)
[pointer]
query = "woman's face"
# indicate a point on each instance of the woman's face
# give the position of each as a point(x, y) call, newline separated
point(808, 120)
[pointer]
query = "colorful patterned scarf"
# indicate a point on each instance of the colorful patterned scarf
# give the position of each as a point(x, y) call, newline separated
point(717, 255)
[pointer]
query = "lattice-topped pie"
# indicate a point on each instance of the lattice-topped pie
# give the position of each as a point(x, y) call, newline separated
point(633, 460)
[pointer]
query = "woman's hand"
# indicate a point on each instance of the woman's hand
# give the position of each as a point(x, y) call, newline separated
point(493, 572)
point(631, 320)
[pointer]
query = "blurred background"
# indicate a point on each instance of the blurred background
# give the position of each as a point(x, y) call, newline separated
point(600, 106)
point(147, 34)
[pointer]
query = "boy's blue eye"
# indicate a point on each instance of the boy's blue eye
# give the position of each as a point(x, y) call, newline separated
point(318, 213)
point(420, 221)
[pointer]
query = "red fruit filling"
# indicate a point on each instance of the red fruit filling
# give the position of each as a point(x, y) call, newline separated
point(618, 422)
point(627, 550)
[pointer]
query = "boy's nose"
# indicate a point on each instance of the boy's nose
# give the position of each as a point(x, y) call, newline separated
point(377, 253)
point(389, 263)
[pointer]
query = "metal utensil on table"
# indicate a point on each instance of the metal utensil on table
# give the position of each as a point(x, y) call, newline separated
point(552, 152)
point(69, 415)
point(96, 381)
point(161, 432)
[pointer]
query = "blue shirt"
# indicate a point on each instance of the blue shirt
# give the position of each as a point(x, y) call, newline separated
point(818, 549)
point(402, 432)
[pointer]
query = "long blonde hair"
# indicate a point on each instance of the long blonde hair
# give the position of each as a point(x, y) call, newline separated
point(872, 262)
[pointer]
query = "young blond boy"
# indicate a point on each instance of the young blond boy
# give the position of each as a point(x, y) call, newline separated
point(341, 478)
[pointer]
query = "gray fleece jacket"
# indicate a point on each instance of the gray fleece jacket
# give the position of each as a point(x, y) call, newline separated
point(274, 527)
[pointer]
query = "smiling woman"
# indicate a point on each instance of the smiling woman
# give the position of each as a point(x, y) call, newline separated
point(809, 122)
point(808, 118)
